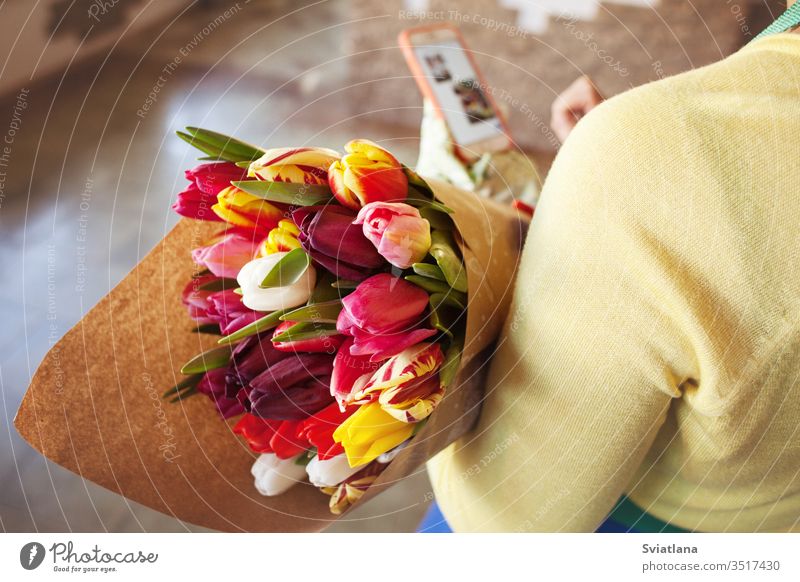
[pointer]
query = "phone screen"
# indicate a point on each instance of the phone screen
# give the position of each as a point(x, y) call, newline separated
point(456, 85)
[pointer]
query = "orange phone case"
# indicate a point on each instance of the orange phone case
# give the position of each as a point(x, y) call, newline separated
point(404, 39)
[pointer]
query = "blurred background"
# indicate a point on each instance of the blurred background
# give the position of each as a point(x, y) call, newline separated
point(91, 93)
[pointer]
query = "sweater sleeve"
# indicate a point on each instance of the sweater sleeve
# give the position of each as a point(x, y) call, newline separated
point(591, 355)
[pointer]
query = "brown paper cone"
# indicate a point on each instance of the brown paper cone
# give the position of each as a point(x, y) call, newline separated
point(94, 405)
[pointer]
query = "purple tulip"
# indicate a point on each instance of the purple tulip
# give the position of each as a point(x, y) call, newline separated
point(224, 308)
point(328, 235)
point(249, 359)
point(213, 386)
point(292, 389)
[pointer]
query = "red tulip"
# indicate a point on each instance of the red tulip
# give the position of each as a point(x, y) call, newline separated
point(213, 177)
point(318, 430)
point(271, 436)
point(322, 344)
point(350, 373)
point(383, 316)
point(194, 203)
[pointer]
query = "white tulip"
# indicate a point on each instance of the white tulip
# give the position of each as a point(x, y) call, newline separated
point(253, 296)
point(330, 472)
point(274, 475)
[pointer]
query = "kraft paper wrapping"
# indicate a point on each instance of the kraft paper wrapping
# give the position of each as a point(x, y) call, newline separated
point(94, 405)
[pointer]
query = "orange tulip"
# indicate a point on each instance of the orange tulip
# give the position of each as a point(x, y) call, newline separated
point(367, 173)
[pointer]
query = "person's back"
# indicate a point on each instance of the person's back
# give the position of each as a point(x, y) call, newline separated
point(653, 347)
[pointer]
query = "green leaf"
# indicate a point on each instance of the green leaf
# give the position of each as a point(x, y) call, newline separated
point(430, 285)
point(219, 285)
point(227, 146)
point(324, 290)
point(304, 460)
point(327, 312)
point(344, 284)
point(181, 386)
point(286, 192)
point(306, 330)
point(209, 328)
point(265, 323)
point(444, 250)
point(416, 181)
point(190, 392)
point(453, 299)
point(244, 164)
point(288, 270)
point(446, 315)
point(452, 359)
point(437, 219)
point(208, 360)
point(428, 270)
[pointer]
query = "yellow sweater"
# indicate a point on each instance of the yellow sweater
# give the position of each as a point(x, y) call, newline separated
point(653, 347)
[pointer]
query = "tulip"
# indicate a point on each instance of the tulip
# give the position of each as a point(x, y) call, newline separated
point(291, 389)
point(408, 383)
point(250, 358)
point(397, 230)
point(330, 472)
point(242, 209)
point(256, 297)
point(353, 488)
point(324, 344)
point(370, 432)
point(281, 239)
point(318, 430)
point(295, 165)
point(328, 235)
point(271, 436)
point(274, 476)
point(213, 386)
point(224, 308)
point(215, 176)
point(383, 316)
point(367, 173)
point(350, 373)
point(225, 254)
point(194, 203)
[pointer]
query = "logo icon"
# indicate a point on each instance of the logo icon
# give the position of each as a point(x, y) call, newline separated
point(31, 555)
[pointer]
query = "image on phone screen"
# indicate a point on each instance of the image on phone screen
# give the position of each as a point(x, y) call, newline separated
point(462, 99)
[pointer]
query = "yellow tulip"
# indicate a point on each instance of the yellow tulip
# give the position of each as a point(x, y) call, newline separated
point(242, 209)
point(369, 433)
point(281, 239)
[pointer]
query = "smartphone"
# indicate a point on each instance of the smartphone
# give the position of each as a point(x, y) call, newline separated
point(448, 76)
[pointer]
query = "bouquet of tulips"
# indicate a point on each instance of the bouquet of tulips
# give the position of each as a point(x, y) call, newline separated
point(340, 295)
point(344, 310)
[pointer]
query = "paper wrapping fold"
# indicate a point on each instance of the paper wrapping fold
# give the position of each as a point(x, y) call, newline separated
point(94, 403)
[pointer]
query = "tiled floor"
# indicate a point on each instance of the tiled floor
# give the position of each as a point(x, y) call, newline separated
point(84, 161)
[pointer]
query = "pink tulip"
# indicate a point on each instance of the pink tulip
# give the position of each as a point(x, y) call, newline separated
point(226, 254)
point(397, 230)
point(383, 316)
point(224, 308)
point(194, 203)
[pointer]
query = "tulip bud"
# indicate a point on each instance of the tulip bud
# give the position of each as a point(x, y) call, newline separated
point(274, 476)
point(330, 472)
point(242, 209)
point(295, 165)
point(225, 254)
point(281, 239)
point(255, 297)
point(397, 230)
point(367, 173)
point(194, 203)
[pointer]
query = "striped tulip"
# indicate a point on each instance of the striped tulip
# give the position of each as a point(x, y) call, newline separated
point(353, 488)
point(295, 165)
point(242, 209)
point(367, 173)
point(281, 239)
point(407, 385)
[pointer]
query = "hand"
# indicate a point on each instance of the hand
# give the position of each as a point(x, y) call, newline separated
point(574, 102)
